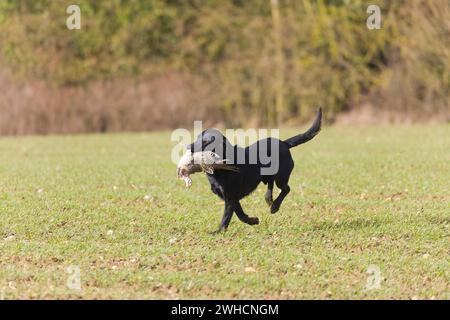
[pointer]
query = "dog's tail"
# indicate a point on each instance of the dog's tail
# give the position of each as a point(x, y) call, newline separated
point(308, 135)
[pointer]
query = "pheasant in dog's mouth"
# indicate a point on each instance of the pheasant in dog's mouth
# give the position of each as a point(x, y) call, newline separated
point(206, 161)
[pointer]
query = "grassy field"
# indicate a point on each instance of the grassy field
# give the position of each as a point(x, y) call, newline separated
point(362, 199)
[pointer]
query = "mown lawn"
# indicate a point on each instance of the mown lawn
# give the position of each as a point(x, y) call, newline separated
point(362, 199)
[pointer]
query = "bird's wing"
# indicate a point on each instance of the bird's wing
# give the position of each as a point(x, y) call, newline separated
point(207, 168)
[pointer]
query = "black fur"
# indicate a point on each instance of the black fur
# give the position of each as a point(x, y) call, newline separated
point(233, 186)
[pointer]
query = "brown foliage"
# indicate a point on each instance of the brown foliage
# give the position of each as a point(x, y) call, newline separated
point(170, 100)
point(143, 65)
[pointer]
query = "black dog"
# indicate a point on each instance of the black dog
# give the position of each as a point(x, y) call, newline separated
point(233, 186)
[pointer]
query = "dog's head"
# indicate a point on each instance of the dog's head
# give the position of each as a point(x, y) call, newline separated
point(210, 140)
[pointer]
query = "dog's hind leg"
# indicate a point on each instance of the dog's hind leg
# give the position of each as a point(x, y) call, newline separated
point(269, 193)
point(282, 183)
point(277, 203)
point(282, 180)
point(243, 217)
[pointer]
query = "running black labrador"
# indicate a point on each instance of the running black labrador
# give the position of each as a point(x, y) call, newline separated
point(233, 186)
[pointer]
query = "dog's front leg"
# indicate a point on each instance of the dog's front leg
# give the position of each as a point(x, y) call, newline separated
point(243, 217)
point(227, 215)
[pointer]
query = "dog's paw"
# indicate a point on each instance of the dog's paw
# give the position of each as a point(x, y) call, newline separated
point(254, 220)
point(217, 232)
point(274, 208)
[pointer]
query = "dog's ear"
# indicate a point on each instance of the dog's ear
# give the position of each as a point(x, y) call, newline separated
point(215, 141)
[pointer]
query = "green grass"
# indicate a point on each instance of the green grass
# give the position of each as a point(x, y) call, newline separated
point(360, 196)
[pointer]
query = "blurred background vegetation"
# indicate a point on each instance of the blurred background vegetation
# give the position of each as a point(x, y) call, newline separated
point(148, 64)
